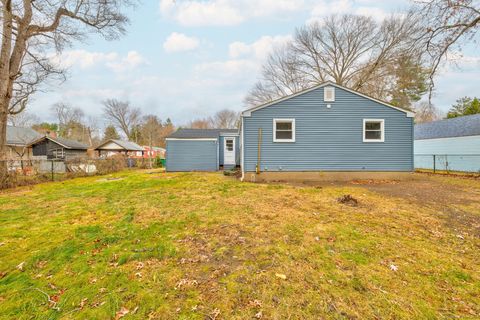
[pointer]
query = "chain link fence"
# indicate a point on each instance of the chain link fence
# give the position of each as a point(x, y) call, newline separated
point(448, 162)
point(26, 172)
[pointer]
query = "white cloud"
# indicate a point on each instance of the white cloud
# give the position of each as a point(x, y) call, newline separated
point(131, 61)
point(82, 58)
point(258, 49)
point(177, 42)
point(243, 65)
point(328, 7)
point(85, 59)
point(224, 12)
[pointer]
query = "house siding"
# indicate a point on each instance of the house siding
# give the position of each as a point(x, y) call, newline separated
point(47, 147)
point(457, 153)
point(329, 139)
point(237, 149)
point(192, 155)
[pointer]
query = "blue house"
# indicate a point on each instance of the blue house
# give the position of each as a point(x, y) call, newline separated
point(202, 150)
point(316, 133)
point(449, 145)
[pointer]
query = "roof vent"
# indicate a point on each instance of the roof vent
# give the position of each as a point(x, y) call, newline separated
point(329, 94)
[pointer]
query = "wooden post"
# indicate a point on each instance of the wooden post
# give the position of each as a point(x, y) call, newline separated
point(53, 178)
point(258, 168)
point(434, 163)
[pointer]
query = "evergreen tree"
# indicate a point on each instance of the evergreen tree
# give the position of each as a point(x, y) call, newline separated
point(110, 133)
point(464, 106)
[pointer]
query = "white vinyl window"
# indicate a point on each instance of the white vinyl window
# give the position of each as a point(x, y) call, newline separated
point(373, 130)
point(329, 94)
point(283, 130)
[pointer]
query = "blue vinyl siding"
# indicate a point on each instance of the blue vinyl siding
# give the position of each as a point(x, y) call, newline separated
point(237, 149)
point(191, 155)
point(329, 139)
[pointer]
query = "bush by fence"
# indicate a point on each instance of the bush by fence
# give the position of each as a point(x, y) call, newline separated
point(448, 162)
point(26, 172)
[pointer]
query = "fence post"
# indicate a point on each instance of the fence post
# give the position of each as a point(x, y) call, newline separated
point(434, 163)
point(446, 164)
point(53, 178)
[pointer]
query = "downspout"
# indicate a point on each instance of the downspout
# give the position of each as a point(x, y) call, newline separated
point(259, 149)
point(242, 150)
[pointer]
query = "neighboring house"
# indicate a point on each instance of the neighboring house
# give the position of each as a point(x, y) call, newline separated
point(153, 153)
point(202, 149)
point(58, 148)
point(18, 141)
point(451, 144)
point(327, 128)
point(113, 147)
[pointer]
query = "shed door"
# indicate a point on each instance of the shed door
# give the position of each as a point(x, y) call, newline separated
point(229, 151)
point(192, 155)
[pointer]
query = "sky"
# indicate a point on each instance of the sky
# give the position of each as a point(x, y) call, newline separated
point(187, 59)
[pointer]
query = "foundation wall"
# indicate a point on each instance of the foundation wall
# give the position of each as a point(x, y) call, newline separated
point(313, 176)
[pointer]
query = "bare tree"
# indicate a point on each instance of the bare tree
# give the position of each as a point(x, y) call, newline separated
point(205, 123)
point(151, 130)
point(66, 114)
point(448, 25)
point(23, 119)
point(123, 116)
point(30, 29)
point(426, 112)
point(354, 51)
point(225, 119)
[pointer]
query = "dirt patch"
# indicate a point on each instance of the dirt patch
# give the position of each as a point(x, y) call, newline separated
point(423, 191)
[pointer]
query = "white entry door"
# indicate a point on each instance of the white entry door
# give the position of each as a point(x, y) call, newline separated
point(229, 151)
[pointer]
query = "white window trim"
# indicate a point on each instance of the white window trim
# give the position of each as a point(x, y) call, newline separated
point(382, 128)
point(325, 89)
point(275, 130)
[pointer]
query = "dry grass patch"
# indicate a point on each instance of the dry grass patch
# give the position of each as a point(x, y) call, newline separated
point(196, 246)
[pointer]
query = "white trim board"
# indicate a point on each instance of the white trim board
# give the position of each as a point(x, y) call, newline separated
point(382, 131)
point(191, 139)
point(248, 112)
point(292, 121)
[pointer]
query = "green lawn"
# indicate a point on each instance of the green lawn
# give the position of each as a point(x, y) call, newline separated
point(204, 246)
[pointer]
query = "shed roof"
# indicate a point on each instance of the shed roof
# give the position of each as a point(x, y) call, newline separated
point(449, 128)
point(200, 133)
point(126, 145)
point(66, 143)
point(20, 136)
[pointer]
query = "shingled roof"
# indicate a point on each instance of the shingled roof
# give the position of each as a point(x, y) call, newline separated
point(200, 133)
point(66, 143)
point(126, 145)
point(20, 136)
point(449, 128)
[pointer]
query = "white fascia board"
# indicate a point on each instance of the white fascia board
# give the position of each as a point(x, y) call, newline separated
point(191, 139)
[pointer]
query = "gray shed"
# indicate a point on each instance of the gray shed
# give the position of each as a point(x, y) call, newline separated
point(202, 149)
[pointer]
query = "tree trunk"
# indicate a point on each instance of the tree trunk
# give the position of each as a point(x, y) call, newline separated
point(4, 103)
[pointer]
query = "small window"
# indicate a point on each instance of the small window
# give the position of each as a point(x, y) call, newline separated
point(229, 144)
point(284, 130)
point(329, 94)
point(373, 130)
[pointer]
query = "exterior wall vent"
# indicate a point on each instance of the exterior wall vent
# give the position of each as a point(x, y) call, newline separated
point(329, 94)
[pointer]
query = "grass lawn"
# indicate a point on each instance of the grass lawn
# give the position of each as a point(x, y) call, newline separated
point(204, 246)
